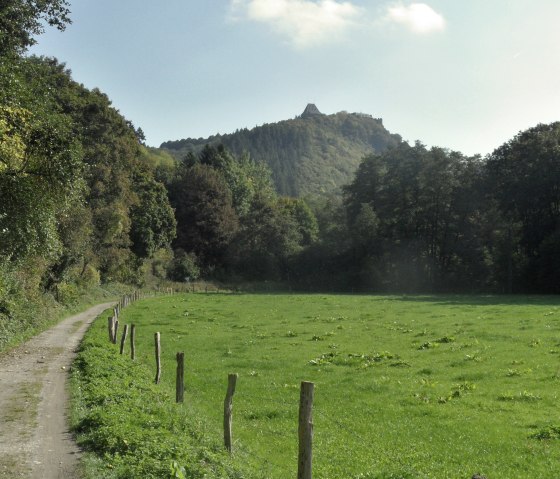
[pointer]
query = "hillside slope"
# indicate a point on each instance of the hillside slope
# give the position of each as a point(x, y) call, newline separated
point(311, 154)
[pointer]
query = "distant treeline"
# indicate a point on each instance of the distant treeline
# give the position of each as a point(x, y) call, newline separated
point(433, 220)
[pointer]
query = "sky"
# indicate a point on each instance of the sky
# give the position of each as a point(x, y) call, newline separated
point(467, 75)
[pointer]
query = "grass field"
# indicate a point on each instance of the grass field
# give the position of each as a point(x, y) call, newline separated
point(405, 387)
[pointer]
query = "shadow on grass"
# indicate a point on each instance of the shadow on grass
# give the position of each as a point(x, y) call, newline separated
point(437, 299)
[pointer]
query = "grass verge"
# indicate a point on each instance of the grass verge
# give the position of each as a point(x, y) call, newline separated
point(130, 428)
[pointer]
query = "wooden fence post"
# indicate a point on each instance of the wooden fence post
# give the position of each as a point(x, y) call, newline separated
point(123, 338)
point(180, 383)
point(116, 331)
point(110, 326)
point(305, 431)
point(157, 341)
point(132, 341)
point(228, 406)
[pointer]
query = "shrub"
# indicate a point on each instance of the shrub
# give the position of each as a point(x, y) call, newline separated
point(184, 267)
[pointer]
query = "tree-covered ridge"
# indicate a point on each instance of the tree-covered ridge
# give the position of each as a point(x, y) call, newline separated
point(80, 157)
point(79, 200)
point(311, 154)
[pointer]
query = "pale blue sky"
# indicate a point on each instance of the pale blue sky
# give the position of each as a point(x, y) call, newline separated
point(462, 74)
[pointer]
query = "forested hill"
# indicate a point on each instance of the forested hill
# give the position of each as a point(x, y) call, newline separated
point(311, 154)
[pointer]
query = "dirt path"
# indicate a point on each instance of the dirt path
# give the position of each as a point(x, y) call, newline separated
point(34, 438)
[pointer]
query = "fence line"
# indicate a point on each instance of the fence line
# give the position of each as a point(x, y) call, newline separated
point(306, 402)
point(305, 428)
point(305, 432)
point(157, 340)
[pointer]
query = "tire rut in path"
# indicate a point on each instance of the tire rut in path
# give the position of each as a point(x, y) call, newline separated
point(34, 438)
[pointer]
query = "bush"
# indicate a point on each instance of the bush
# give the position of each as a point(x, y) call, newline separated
point(161, 262)
point(67, 293)
point(184, 267)
point(90, 277)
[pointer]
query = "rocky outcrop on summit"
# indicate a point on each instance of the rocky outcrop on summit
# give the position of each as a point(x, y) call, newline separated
point(310, 110)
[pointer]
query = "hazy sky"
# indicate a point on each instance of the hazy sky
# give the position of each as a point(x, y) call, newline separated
point(462, 74)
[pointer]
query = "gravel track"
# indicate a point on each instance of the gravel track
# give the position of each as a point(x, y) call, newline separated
point(34, 438)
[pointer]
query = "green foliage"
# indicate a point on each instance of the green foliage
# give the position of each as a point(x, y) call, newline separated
point(301, 214)
point(79, 202)
point(269, 236)
point(245, 179)
point(21, 20)
point(206, 219)
point(184, 267)
point(410, 214)
point(67, 293)
point(89, 277)
point(431, 219)
point(40, 173)
point(153, 221)
point(547, 433)
point(524, 175)
point(232, 221)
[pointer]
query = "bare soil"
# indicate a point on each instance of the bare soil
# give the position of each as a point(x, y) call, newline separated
point(35, 441)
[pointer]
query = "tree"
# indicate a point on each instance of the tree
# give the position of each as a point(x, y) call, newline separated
point(21, 20)
point(153, 221)
point(524, 174)
point(40, 174)
point(206, 219)
point(268, 238)
point(244, 177)
point(183, 267)
point(365, 231)
point(298, 210)
point(410, 212)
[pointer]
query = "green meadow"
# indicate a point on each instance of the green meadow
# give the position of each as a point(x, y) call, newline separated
point(405, 387)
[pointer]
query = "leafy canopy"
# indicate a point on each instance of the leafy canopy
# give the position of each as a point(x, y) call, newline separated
point(22, 20)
